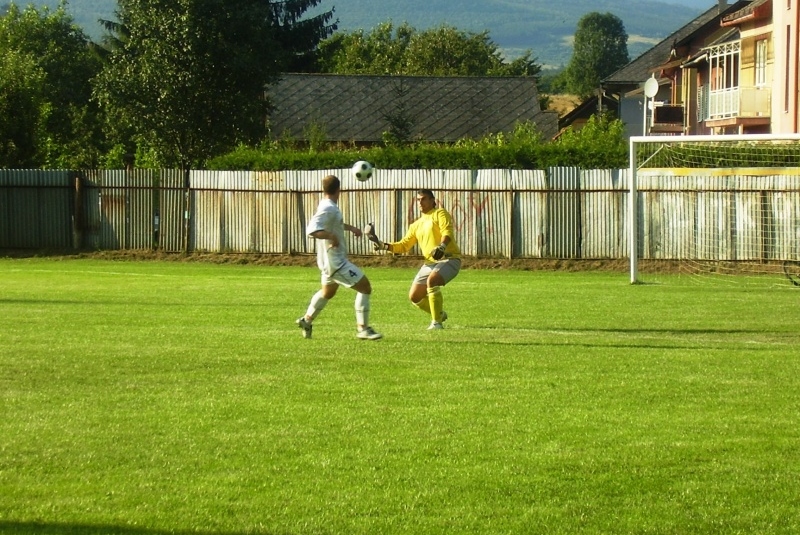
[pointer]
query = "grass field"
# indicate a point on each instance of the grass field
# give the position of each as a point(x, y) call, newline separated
point(147, 398)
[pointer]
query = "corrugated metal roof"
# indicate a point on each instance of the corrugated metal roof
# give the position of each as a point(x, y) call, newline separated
point(355, 108)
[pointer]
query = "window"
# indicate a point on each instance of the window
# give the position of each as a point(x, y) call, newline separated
point(761, 63)
point(724, 66)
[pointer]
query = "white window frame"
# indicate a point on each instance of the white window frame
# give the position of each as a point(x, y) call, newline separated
point(761, 62)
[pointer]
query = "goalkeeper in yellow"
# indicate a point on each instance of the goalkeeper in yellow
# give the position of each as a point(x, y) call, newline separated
point(433, 232)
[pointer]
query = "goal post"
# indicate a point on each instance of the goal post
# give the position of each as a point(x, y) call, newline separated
point(725, 204)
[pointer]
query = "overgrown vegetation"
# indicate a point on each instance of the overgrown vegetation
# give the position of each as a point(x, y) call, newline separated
point(600, 144)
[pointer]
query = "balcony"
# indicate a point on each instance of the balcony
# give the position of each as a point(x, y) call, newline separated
point(738, 102)
point(667, 119)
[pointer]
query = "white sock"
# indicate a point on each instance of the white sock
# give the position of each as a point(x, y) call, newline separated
point(317, 304)
point(362, 310)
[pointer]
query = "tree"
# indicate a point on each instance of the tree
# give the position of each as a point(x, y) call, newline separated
point(441, 51)
point(184, 80)
point(600, 49)
point(376, 52)
point(20, 100)
point(47, 118)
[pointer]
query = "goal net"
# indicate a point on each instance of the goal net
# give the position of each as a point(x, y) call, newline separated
point(715, 207)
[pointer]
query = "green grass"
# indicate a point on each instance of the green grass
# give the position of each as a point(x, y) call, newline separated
point(164, 397)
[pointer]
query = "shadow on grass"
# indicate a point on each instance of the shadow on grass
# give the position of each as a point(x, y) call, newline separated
point(44, 528)
point(636, 330)
point(682, 338)
point(124, 303)
point(632, 330)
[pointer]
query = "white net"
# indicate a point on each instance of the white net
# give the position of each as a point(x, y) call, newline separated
point(722, 208)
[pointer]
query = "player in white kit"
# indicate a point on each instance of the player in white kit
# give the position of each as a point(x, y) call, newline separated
point(327, 226)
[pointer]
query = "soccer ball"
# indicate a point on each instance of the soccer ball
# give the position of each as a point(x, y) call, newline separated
point(363, 170)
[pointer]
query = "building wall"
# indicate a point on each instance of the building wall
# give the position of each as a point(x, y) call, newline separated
point(690, 104)
point(630, 113)
point(786, 84)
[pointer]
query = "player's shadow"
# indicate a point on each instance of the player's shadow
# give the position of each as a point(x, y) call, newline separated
point(683, 338)
point(108, 302)
point(637, 330)
point(54, 528)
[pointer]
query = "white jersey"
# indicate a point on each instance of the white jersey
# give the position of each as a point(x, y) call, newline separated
point(328, 217)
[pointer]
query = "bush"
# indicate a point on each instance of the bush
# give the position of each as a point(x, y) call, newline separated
point(600, 144)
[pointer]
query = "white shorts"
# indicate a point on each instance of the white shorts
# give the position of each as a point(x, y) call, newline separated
point(348, 275)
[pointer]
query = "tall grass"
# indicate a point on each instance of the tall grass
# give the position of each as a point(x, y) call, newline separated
point(157, 397)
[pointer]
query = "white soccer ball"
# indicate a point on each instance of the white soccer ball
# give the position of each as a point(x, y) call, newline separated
point(363, 170)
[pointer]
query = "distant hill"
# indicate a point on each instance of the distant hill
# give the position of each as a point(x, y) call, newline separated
point(697, 4)
point(543, 26)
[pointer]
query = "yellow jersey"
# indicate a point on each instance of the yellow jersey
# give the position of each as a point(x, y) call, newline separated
point(428, 231)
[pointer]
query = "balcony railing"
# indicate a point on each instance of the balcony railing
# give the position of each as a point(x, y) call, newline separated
point(737, 102)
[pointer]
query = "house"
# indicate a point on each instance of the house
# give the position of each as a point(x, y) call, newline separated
point(734, 70)
point(785, 77)
point(668, 109)
point(579, 115)
point(725, 82)
point(360, 109)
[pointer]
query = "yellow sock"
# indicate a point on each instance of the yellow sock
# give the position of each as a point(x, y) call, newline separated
point(436, 301)
point(424, 305)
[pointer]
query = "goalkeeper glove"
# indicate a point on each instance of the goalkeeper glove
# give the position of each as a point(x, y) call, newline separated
point(377, 244)
point(438, 253)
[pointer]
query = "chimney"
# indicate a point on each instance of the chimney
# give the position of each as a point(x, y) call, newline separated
point(722, 5)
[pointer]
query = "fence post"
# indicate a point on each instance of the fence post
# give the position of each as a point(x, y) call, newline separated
point(78, 218)
point(187, 210)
